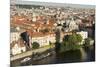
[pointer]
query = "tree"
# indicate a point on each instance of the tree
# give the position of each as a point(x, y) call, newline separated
point(87, 41)
point(75, 39)
point(66, 38)
point(35, 45)
point(64, 46)
point(57, 47)
point(72, 39)
point(79, 38)
point(70, 42)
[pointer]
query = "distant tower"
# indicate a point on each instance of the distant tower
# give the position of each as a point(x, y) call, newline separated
point(58, 39)
point(34, 17)
point(59, 34)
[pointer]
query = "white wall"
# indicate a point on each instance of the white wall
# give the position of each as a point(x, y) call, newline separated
point(14, 36)
point(84, 34)
point(17, 50)
point(43, 41)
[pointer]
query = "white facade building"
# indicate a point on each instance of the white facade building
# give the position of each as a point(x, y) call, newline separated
point(84, 34)
point(14, 35)
point(45, 40)
point(17, 48)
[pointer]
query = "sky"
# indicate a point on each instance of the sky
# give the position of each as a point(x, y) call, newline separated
point(56, 3)
point(88, 2)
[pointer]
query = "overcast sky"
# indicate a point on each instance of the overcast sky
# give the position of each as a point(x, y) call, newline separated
point(59, 3)
point(90, 2)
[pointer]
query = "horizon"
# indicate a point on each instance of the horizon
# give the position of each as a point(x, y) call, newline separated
point(54, 4)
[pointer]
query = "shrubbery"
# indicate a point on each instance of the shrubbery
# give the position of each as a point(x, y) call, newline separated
point(35, 45)
point(71, 42)
point(87, 41)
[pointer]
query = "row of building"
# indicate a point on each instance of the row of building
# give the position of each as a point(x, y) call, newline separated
point(18, 44)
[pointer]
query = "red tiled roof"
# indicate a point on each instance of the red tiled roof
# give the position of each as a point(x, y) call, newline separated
point(38, 34)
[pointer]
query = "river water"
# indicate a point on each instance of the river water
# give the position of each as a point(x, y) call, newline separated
point(81, 55)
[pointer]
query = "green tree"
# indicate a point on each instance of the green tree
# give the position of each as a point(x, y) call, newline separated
point(72, 39)
point(79, 38)
point(35, 45)
point(66, 38)
point(63, 46)
point(75, 39)
point(87, 41)
point(71, 42)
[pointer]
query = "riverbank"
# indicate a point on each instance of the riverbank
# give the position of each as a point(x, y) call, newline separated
point(82, 55)
point(75, 47)
point(29, 53)
point(40, 50)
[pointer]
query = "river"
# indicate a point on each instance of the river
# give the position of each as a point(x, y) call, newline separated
point(81, 55)
point(84, 54)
